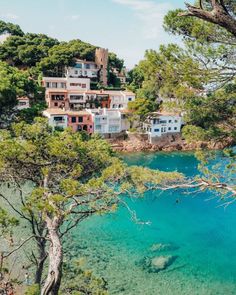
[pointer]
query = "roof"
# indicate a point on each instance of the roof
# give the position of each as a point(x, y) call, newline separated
point(61, 79)
point(65, 112)
point(128, 92)
point(23, 98)
point(85, 61)
point(56, 90)
point(164, 113)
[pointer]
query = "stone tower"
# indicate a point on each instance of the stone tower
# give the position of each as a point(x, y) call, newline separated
point(101, 59)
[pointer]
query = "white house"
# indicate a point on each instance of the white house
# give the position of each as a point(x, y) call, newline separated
point(120, 99)
point(55, 83)
point(56, 118)
point(23, 103)
point(158, 124)
point(83, 68)
point(109, 121)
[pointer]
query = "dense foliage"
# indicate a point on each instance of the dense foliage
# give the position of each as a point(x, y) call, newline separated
point(43, 54)
point(10, 28)
point(72, 177)
point(197, 79)
point(14, 83)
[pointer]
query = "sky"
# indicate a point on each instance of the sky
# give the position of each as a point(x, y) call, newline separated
point(126, 27)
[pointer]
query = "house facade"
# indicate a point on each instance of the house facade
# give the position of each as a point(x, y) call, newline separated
point(78, 121)
point(83, 69)
point(109, 121)
point(159, 124)
point(23, 102)
point(120, 99)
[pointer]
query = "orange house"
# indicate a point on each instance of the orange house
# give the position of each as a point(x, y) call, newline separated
point(80, 121)
point(57, 99)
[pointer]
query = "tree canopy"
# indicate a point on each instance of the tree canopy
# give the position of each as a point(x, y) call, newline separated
point(72, 177)
point(10, 28)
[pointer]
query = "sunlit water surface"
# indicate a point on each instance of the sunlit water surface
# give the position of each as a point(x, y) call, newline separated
point(204, 233)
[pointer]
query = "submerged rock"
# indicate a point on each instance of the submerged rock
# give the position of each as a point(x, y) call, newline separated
point(157, 263)
point(163, 247)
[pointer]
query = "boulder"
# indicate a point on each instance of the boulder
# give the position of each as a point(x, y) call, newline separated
point(161, 262)
point(157, 263)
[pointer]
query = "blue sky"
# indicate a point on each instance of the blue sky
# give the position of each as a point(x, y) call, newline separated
point(127, 27)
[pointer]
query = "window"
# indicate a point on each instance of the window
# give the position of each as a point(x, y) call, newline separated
point(85, 73)
point(58, 97)
point(54, 85)
point(22, 103)
point(75, 84)
point(80, 119)
point(91, 126)
point(156, 130)
point(176, 121)
point(76, 97)
point(170, 121)
point(169, 128)
point(55, 104)
point(175, 128)
point(78, 66)
point(156, 121)
point(83, 85)
point(58, 119)
point(130, 99)
point(76, 72)
point(47, 85)
point(73, 119)
point(163, 121)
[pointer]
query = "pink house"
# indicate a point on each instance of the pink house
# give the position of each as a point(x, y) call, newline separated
point(80, 121)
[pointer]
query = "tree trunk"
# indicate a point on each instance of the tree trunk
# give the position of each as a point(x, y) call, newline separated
point(53, 281)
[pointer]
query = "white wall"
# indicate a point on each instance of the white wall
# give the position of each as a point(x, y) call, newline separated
point(55, 123)
point(166, 124)
point(23, 104)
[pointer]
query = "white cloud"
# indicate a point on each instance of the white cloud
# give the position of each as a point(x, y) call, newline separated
point(150, 13)
point(10, 16)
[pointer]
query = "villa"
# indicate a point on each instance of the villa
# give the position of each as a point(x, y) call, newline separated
point(78, 121)
point(159, 124)
point(23, 103)
point(109, 121)
point(103, 121)
point(83, 69)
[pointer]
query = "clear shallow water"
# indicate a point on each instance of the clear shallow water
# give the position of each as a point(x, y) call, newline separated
point(204, 232)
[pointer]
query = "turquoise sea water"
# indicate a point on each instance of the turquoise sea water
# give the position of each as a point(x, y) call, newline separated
point(204, 233)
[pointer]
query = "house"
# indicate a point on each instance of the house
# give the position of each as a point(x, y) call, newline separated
point(121, 75)
point(23, 103)
point(57, 118)
point(159, 124)
point(79, 84)
point(83, 68)
point(96, 70)
point(78, 121)
point(120, 99)
point(58, 89)
point(109, 121)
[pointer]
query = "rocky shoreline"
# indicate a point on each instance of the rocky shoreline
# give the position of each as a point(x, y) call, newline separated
point(169, 143)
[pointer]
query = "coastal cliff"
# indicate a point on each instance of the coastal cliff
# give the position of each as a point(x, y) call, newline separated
point(168, 143)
